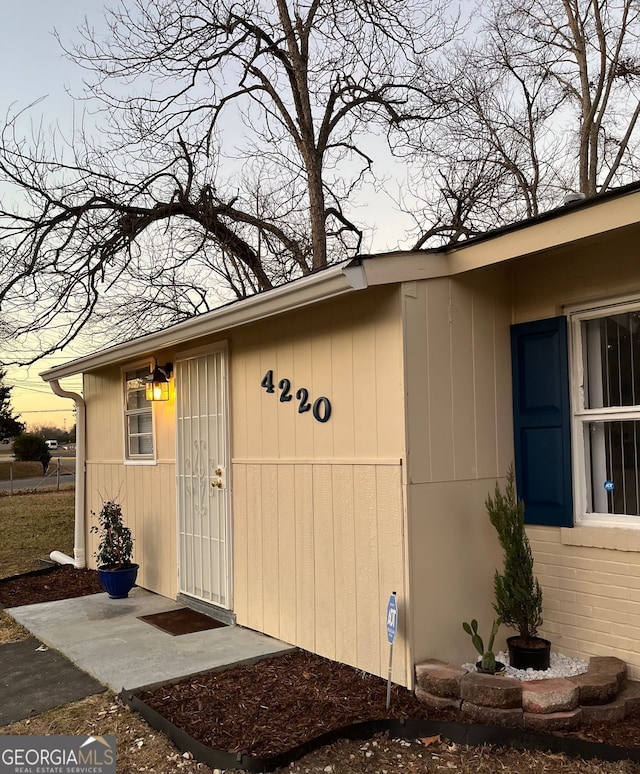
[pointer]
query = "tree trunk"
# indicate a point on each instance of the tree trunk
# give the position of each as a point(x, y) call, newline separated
point(316, 213)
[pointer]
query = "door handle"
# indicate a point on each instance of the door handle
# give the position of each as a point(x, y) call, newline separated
point(219, 481)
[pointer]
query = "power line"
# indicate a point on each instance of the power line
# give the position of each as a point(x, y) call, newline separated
point(40, 390)
point(44, 411)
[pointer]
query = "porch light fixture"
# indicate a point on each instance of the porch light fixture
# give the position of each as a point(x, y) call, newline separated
point(157, 383)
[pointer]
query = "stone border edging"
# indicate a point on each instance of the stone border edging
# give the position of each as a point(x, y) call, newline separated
point(602, 693)
point(460, 733)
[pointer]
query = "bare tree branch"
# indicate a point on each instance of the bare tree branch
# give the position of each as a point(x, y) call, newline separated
point(548, 101)
point(231, 138)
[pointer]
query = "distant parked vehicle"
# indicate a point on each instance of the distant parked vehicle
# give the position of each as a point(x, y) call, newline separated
point(52, 444)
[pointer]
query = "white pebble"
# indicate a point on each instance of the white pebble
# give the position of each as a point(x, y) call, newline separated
point(561, 666)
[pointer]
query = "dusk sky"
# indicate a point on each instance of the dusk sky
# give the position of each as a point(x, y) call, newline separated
point(36, 69)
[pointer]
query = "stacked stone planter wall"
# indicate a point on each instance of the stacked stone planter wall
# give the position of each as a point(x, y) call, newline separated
point(603, 693)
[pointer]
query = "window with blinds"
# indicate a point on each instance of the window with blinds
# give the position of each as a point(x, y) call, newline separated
point(138, 416)
point(608, 411)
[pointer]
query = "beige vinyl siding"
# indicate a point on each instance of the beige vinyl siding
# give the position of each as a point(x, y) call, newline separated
point(348, 350)
point(146, 491)
point(317, 507)
point(458, 376)
point(105, 415)
point(103, 394)
point(459, 440)
point(608, 267)
point(147, 495)
point(453, 553)
point(318, 550)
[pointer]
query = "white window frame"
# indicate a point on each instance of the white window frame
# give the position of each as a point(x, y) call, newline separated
point(137, 459)
point(583, 416)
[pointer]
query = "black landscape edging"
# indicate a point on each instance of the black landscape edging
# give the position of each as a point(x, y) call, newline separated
point(31, 573)
point(460, 733)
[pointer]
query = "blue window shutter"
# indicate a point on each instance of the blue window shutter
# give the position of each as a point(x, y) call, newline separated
point(541, 420)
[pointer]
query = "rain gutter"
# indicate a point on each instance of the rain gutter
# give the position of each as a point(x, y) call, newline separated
point(78, 560)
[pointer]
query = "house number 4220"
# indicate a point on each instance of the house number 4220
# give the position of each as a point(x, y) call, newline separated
point(321, 407)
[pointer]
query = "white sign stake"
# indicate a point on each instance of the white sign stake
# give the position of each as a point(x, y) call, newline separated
point(392, 627)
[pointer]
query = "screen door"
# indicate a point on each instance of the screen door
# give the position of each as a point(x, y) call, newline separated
point(204, 554)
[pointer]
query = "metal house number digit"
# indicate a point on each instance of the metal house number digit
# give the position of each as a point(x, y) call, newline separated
point(320, 409)
point(302, 396)
point(285, 386)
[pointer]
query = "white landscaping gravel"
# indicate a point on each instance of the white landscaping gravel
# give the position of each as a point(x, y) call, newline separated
point(561, 666)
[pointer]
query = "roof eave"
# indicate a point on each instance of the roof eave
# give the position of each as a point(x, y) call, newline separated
point(559, 228)
point(316, 287)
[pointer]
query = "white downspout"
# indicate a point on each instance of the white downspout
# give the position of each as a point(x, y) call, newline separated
point(78, 559)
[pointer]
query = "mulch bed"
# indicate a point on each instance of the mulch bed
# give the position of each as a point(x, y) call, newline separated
point(278, 703)
point(267, 708)
point(270, 707)
point(62, 582)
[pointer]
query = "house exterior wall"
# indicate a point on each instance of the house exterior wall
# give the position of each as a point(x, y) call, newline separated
point(590, 575)
point(607, 267)
point(328, 518)
point(459, 441)
point(591, 586)
point(318, 515)
point(317, 507)
point(146, 491)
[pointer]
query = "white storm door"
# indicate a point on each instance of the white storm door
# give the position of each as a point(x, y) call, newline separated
point(204, 546)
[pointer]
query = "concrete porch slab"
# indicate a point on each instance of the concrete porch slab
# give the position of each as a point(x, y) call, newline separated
point(104, 637)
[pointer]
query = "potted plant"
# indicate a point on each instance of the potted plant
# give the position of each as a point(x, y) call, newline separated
point(518, 593)
point(487, 664)
point(116, 571)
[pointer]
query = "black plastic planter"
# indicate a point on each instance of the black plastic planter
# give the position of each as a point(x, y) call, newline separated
point(529, 654)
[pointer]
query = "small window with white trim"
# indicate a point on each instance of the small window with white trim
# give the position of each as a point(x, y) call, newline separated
point(607, 414)
point(138, 416)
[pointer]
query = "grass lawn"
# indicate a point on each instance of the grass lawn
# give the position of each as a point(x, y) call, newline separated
point(139, 747)
point(20, 470)
point(31, 526)
point(10, 630)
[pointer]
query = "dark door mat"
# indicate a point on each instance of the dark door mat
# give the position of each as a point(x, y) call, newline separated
point(32, 681)
point(181, 621)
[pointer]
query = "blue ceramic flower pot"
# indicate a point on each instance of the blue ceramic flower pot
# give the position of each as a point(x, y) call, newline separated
point(118, 582)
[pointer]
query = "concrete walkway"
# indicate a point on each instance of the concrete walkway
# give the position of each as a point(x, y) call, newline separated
point(34, 678)
point(104, 638)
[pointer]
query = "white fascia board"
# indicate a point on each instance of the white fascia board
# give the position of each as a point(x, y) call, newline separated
point(406, 267)
point(303, 292)
point(570, 226)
